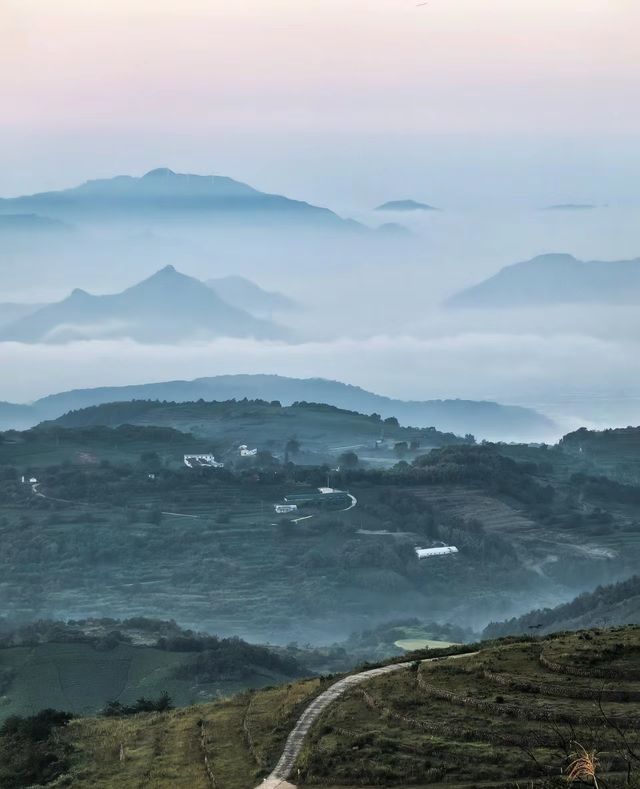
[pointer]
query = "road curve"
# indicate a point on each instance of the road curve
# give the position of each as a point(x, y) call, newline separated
point(295, 740)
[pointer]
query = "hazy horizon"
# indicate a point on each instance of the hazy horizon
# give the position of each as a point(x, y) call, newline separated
point(525, 104)
point(490, 112)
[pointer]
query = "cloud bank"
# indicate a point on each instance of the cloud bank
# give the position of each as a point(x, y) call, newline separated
point(563, 375)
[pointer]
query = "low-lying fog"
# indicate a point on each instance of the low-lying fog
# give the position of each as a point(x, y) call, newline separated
point(371, 312)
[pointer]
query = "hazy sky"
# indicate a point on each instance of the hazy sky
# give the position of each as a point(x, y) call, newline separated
point(288, 93)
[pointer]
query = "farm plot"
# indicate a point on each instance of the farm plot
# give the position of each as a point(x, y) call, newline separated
point(538, 546)
point(454, 723)
point(203, 549)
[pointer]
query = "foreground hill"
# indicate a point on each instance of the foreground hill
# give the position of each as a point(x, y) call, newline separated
point(616, 604)
point(481, 418)
point(163, 195)
point(509, 714)
point(166, 307)
point(555, 279)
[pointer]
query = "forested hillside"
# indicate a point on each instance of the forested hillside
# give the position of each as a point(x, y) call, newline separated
point(616, 604)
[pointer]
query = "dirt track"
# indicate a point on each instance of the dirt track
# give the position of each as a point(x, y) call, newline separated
point(295, 740)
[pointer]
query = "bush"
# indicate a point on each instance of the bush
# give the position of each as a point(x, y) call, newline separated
point(29, 754)
point(114, 709)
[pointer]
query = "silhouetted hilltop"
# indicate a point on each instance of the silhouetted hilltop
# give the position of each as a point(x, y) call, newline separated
point(555, 279)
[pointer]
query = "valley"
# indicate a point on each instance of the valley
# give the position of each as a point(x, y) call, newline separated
point(206, 546)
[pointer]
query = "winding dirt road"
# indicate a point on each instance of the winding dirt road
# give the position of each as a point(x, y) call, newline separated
point(295, 740)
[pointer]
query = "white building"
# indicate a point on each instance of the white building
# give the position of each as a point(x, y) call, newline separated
point(202, 461)
point(282, 509)
point(441, 550)
point(245, 452)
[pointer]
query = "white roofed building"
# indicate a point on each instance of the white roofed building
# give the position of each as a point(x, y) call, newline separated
point(202, 461)
point(441, 550)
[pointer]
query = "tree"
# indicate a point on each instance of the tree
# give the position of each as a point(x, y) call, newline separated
point(348, 459)
point(292, 447)
point(401, 448)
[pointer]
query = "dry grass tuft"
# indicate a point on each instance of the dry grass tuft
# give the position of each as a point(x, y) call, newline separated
point(584, 766)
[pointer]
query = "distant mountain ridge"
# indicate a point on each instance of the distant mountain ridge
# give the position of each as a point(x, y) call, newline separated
point(555, 279)
point(245, 294)
point(405, 205)
point(570, 207)
point(10, 312)
point(166, 195)
point(166, 307)
point(29, 223)
point(483, 419)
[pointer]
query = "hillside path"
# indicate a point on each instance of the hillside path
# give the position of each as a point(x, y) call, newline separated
point(295, 740)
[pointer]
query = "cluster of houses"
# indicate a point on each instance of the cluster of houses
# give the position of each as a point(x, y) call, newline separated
point(208, 460)
point(202, 461)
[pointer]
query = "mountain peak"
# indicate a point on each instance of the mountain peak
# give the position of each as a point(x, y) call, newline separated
point(159, 172)
point(168, 276)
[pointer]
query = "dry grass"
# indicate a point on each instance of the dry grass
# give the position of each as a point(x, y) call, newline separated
point(584, 766)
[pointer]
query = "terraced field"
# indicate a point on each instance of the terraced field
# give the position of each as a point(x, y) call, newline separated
point(537, 546)
point(495, 718)
point(499, 717)
point(229, 744)
point(209, 553)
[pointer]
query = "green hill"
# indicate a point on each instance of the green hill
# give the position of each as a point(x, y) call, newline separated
point(513, 714)
point(616, 604)
point(482, 418)
point(80, 666)
point(614, 452)
point(117, 525)
point(320, 429)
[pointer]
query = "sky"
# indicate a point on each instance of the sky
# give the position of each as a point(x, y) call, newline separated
point(337, 101)
point(489, 109)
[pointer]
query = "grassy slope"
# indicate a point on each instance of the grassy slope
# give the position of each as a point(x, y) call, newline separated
point(81, 679)
point(242, 738)
point(401, 734)
point(396, 735)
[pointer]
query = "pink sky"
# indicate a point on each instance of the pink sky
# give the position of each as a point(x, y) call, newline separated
point(453, 65)
point(71, 69)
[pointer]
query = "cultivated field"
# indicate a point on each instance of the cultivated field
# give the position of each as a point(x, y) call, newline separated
point(498, 718)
